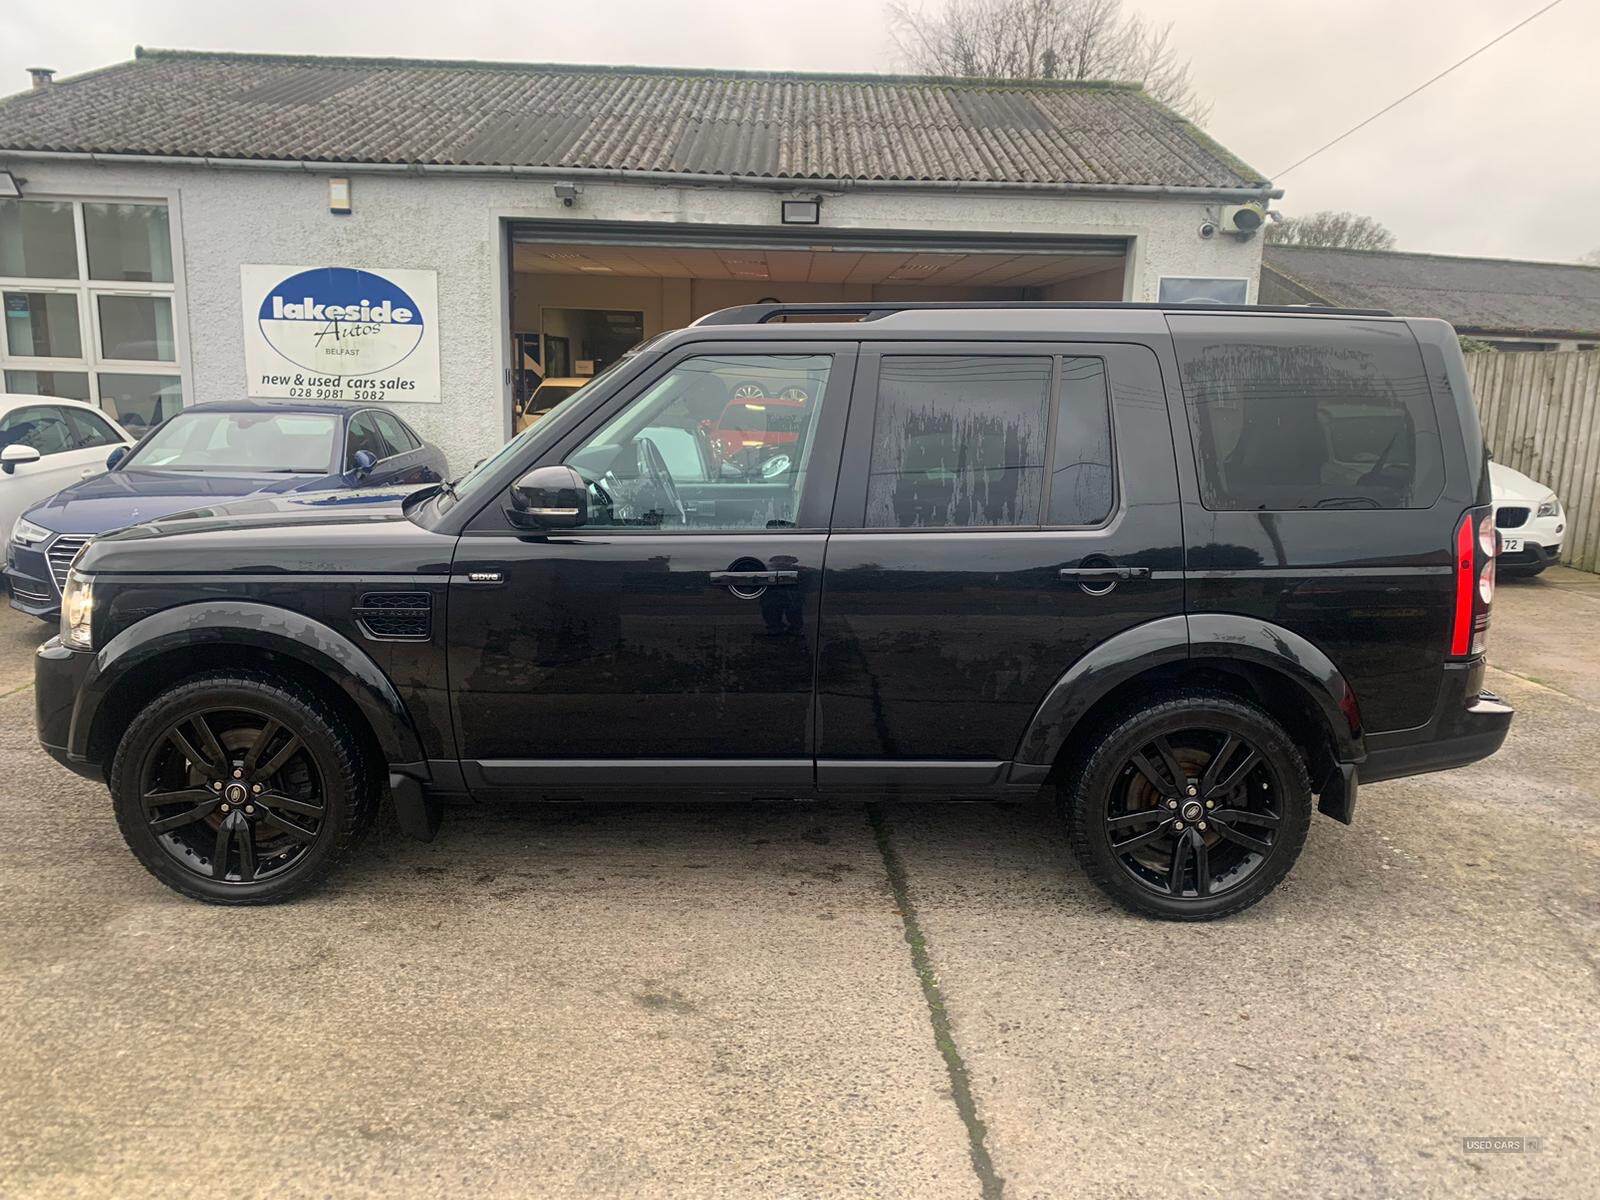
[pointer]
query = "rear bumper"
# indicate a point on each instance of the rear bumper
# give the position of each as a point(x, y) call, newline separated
point(1468, 724)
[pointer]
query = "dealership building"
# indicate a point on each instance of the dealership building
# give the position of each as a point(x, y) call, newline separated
point(440, 235)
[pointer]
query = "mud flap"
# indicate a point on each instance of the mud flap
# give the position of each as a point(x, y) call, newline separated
point(417, 812)
point(1337, 796)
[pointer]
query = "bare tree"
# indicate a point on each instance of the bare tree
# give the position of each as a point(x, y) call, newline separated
point(1045, 39)
point(1331, 230)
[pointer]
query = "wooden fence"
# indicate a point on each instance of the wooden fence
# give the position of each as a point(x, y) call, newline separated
point(1541, 416)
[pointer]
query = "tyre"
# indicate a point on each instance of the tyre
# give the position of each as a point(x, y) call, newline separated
point(1189, 808)
point(238, 788)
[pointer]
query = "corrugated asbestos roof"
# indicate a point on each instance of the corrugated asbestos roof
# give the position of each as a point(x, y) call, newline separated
point(1476, 295)
point(801, 127)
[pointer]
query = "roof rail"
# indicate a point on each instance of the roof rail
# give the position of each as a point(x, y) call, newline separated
point(872, 310)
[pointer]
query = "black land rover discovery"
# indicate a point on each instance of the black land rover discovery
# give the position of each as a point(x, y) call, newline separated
point(1192, 572)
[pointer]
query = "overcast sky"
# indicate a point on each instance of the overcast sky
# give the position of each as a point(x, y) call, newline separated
point(1498, 159)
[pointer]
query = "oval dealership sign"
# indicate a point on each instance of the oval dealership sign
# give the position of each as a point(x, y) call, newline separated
point(341, 333)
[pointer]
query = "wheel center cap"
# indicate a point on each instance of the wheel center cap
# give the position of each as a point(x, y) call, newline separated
point(1192, 811)
point(235, 793)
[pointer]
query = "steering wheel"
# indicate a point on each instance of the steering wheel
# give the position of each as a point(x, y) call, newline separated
point(655, 467)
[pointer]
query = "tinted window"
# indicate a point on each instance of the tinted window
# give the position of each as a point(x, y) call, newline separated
point(243, 441)
point(90, 429)
point(364, 435)
point(1081, 486)
point(1292, 413)
point(44, 427)
point(397, 439)
point(667, 460)
point(958, 441)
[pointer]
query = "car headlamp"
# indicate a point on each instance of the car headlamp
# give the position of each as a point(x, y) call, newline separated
point(1549, 507)
point(26, 533)
point(77, 611)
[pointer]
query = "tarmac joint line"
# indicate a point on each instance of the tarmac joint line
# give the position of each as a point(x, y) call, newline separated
point(992, 1185)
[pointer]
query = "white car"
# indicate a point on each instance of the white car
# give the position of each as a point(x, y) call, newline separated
point(47, 443)
point(1530, 521)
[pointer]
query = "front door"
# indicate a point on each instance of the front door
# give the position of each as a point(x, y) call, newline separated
point(671, 640)
point(990, 496)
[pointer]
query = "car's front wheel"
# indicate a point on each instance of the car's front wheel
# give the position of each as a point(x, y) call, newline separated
point(1190, 808)
point(237, 788)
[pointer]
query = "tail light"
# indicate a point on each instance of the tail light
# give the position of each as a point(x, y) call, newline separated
point(1476, 543)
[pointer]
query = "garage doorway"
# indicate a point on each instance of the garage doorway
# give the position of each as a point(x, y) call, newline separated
point(578, 289)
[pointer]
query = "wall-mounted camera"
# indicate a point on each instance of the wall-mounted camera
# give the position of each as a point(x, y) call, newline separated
point(568, 194)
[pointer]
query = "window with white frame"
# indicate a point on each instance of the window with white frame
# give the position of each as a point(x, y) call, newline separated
point(88, 305)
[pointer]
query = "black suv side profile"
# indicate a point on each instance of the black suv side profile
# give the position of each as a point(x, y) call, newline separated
point(1192, 572)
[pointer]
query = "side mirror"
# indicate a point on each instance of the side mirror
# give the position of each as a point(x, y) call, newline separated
point(116, 456)
point(361, 465)
point(13, 456)
point(549, 498)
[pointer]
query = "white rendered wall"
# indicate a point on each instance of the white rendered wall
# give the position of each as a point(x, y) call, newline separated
point(452, 224)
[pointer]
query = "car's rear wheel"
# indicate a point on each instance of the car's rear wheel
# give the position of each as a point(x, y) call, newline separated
point(1190, 808)
point(238, 788)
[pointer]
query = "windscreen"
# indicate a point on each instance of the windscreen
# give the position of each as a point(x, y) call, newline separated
point(275, 443)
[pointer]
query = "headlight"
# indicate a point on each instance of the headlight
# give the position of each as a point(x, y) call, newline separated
point(1550, 507)
point(77, 612)
point(26, 533)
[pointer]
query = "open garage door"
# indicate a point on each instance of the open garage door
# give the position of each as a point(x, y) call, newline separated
point(582, 292)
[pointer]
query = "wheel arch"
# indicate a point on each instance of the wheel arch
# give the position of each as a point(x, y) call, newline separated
point(160, 650)
point(1274, 668)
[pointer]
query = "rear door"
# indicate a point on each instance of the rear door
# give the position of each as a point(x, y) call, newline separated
point(1002, 510)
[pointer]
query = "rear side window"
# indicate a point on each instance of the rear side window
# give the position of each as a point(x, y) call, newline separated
point(397, 437)
point(967, 441)
point(1291, 413)
point(959, 440)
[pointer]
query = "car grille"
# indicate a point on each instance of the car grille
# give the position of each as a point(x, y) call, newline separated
point(1511, 518)
point(61, 553)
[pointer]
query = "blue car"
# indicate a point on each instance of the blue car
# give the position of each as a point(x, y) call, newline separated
point(210, 453)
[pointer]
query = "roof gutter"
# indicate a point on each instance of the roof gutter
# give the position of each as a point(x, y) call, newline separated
point(1146, 191)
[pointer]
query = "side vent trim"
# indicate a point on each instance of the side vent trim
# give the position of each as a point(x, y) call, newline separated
point(395, 616)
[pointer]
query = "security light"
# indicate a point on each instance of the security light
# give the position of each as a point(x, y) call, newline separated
point(10, 186)
point(802, 212)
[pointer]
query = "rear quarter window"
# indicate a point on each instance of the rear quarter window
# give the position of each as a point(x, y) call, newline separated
point(1300, 413)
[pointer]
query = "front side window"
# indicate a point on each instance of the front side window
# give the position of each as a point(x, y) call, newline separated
point(43, 427)
point(90, 429)
point(397, 439)
point(268, 443)
point(1293, 413)
point(959, 441)
point(696, 450)
point(364, 435)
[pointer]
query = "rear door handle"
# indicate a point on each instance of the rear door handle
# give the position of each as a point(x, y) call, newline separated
point(1102, 574)
point(747, 579)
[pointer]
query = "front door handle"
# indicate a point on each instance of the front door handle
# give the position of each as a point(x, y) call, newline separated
point(1102, 574)
point(753, 579)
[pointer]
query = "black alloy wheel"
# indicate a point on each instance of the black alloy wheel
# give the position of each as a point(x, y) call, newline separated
point(1191, 808)
point(239, 789)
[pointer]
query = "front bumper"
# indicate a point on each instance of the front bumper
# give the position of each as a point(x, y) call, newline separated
point(1468, 724)
point(33, 589)
point(58, 675)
